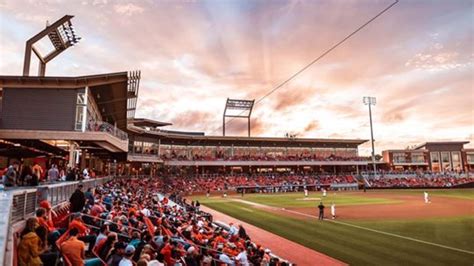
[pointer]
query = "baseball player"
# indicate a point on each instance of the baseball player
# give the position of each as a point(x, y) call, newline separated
point(427, 197)
point(333, 210)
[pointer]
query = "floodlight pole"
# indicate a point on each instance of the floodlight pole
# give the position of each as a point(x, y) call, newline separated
point(371, 101)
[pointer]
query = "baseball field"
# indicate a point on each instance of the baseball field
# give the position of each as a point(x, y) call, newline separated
point(382, 227)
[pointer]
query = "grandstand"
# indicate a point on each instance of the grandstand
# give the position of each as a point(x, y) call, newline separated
point(138, 178)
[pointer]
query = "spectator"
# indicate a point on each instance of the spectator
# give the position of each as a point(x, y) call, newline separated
point(38, 171)
point(242, 257)
point(85, 173)
point(10, 177)
point(74, 250)
point(127, 258)
point(26, 176)
point(117, 254)
point(53, 174)
point(242, 233)
point(105, 249)
point(77, 200)
point(104, 231)
point(225, 258)
point(52, 233)
point(30, 247)
point(89, 197)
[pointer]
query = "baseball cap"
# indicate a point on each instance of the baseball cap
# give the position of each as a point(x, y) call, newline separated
point(129, 249)
point(45, 204)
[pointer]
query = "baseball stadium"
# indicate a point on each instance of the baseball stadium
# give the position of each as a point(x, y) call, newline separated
point(100, 169)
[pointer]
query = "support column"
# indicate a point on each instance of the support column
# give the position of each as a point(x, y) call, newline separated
point(72, 149)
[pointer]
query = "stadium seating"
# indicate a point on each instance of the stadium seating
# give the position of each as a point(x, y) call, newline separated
point(174, 230)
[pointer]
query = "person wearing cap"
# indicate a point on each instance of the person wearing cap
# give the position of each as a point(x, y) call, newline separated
point(127, 258)
point(117, 254)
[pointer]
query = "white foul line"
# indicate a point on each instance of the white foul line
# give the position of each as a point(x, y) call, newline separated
point(384, 233)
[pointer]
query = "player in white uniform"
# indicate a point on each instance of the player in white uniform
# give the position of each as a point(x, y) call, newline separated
point(427, 197)
point(333, 211)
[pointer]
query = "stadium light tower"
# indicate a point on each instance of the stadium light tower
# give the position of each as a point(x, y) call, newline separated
point(62, 36)
point(244, 109)
point(371, 101)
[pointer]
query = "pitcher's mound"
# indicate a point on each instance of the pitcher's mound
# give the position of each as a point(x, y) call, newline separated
point(311, 199)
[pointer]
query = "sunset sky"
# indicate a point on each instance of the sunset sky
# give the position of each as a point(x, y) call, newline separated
point(417, 59)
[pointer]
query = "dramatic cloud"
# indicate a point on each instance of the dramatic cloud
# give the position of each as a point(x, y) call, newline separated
point(313, 125)
point(417, 59)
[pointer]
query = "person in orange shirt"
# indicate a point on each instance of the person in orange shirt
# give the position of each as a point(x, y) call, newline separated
point(52, 233)
point(167, 251)
point(74, 250)
point(83, 231)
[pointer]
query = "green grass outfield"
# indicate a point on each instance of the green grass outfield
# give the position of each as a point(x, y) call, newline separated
point(358, 246)
point(296, 199)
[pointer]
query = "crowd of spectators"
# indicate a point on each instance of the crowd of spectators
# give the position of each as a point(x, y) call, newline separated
point(285, 182)
point(266, 157)
point(413, 182)
point(127, 222)
point(33, 175)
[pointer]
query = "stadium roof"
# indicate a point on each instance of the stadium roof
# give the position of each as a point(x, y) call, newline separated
point(441, 143)
point(201, 140)
point(145, 122)
point(405, 150)
point(115, 93)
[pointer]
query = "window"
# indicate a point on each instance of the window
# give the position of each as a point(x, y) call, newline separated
point(446, 160)
point(81, 111)
point(81, 98)
point(435, 166)
point(79, 117)
point(470, 157)
point(138, 145)
point(456, 158)
point(399, 158)
point(417, 158)
point(445, 157)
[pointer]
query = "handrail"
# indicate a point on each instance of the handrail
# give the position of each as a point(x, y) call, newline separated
point(21, 203)
point(101, 126)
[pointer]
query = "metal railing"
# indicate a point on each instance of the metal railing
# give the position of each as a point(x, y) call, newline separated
point(20, 204)
point(101, 126)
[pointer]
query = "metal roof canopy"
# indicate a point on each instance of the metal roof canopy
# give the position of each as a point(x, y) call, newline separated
point(115, 93)
point(244, 106)
point(62, 36)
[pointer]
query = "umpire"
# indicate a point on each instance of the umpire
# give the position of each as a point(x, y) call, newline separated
point(321, 211)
